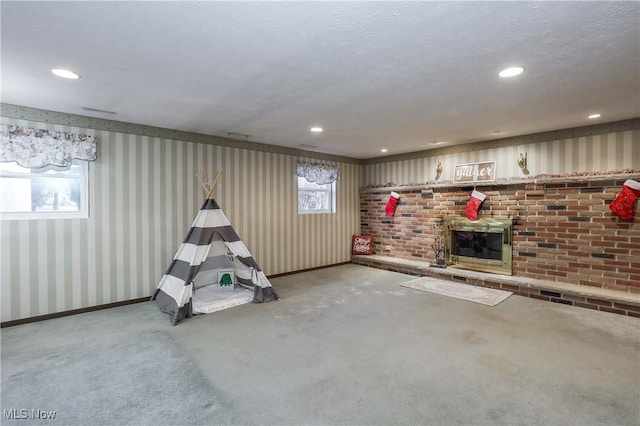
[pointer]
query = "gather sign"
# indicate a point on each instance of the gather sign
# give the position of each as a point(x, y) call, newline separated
point(475, 172)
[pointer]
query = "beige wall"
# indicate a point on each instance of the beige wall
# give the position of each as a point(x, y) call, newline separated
point(144, 196)
point(585, 150)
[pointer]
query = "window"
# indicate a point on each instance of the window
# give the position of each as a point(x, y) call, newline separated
point(46, 193)
point(44, 173)
point(316, 187)
point(315, 198)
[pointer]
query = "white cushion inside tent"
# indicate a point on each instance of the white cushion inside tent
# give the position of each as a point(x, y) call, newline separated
point(219, 256)
point(214, 298)
point(209, 296)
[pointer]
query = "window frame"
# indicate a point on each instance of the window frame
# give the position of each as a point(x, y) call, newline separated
point(332, 197)
point(82, 213)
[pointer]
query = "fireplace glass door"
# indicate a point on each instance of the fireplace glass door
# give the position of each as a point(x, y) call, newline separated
point(483, 245)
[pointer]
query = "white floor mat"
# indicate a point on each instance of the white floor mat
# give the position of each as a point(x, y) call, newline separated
point(486, 296)
point(214, 298)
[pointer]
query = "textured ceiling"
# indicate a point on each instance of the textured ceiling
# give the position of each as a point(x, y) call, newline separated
point(395, 75)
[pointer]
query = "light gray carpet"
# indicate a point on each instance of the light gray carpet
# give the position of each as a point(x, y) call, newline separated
point(111, 367)
point(344, 346)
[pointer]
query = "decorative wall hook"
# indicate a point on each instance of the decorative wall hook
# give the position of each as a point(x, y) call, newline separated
point(522, 163)
point(438, 170)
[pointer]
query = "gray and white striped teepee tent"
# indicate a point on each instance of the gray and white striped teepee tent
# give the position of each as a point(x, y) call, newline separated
point(211, 245)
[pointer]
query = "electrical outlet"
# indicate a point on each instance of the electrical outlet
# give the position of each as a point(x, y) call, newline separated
point(388, 248)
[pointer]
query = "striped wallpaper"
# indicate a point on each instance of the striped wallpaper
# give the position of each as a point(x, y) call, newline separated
point(144, 196)
point(595, 153)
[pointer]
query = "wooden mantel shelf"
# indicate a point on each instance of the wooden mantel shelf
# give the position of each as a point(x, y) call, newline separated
point(536, 180)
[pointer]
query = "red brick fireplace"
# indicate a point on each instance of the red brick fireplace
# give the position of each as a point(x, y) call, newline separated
point(563, 229)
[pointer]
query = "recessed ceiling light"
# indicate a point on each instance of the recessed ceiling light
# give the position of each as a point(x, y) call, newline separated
point(497, 132)
point(316, 129)
point(436, 142)
point(383, 150)
point(65, 73)
point(592, 116)
point(511, 72)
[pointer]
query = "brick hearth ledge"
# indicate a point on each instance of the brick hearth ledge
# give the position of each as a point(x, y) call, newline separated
point(602, 299)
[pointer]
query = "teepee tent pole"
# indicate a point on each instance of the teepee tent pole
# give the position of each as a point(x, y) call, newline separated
point(201, 182)
point(212, 188)
point(208, 187)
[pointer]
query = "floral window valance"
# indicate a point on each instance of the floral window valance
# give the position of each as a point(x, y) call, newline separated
point(35, 148)
point(318, 173)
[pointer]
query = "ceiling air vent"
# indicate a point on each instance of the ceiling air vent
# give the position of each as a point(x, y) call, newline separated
point(103, 111)
point(236, 135)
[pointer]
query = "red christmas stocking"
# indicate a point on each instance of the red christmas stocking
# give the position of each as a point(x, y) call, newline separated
point(622, 206)
point(474, 204)
point(390, 209)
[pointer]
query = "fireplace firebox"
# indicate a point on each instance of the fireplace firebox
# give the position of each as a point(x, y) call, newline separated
point(483, 245)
